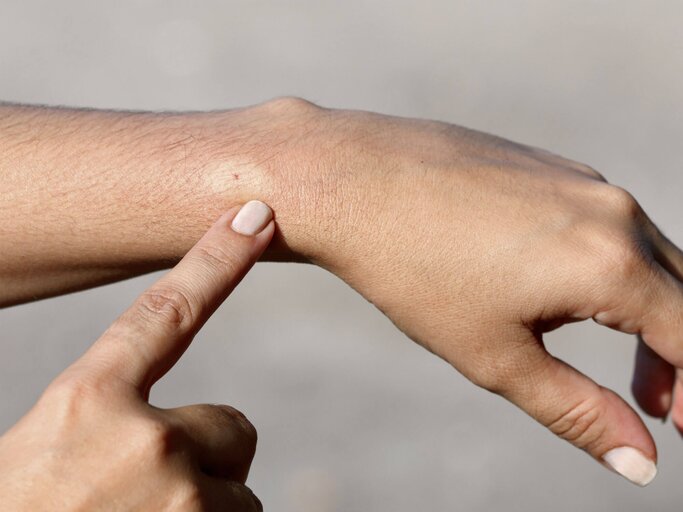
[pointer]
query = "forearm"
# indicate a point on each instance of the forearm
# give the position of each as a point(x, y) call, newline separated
point(474, 246)
point(89, 197)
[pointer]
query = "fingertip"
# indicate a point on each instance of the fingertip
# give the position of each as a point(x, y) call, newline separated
point(632, 464)
point(626, 426)
point(243, 227)
point(653, 402)
point(628, 448)
point(652, 383)
point(252, 218)
point(594, 419)
point(171, 312)
point(268, 231)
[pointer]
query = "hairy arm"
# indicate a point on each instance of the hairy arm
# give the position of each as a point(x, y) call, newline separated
point(89, 197)
point(473, 245)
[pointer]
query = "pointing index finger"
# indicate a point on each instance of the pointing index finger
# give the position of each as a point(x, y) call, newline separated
point(149, 338)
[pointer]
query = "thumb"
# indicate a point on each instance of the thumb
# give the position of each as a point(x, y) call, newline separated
point(589, 416)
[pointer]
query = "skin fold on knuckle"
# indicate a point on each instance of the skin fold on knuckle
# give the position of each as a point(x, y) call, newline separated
point(166, 306)
point(581, 424)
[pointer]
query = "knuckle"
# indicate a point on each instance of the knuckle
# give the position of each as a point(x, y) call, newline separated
point(489, 383)
point(71, 398)
point(515, 370)
point(621, 203)
point(621, 257)
point(160, 438)
point(168, 306)
point(580, 424)
point(488, 380)
point(228, 417)
point(495, 376)
point(611, 254)
point(72, 391)
point(243, 497)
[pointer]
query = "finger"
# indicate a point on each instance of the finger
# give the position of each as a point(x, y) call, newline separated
point(666, 252)
point(647, 301)
point(670, 256)
point(223, 439)
point(143, 344)
point(677, 406)
point(575, 408)
point(635, 292)
point(223, 495)
point(653, 381)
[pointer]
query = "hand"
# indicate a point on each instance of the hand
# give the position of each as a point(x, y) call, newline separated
point(92, 442)
point(476, 246)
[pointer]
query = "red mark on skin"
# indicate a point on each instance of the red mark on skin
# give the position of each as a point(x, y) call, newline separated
point(235, 175)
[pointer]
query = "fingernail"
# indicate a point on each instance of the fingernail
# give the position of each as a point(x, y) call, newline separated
point(631, 464)
point(666, 401)
point(252, 218)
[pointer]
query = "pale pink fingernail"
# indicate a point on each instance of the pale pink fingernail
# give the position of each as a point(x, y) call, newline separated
point(252, 218)
point(631, 464)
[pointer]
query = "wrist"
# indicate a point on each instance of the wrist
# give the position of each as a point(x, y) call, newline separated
point(124, 193)
point(281, 153)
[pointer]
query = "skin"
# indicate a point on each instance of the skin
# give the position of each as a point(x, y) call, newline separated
point(67, 452)
point(473, 245)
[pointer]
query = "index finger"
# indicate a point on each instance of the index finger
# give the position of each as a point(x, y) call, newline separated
point(149, 338)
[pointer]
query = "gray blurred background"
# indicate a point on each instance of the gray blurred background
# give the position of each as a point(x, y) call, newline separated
point(353, 416)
